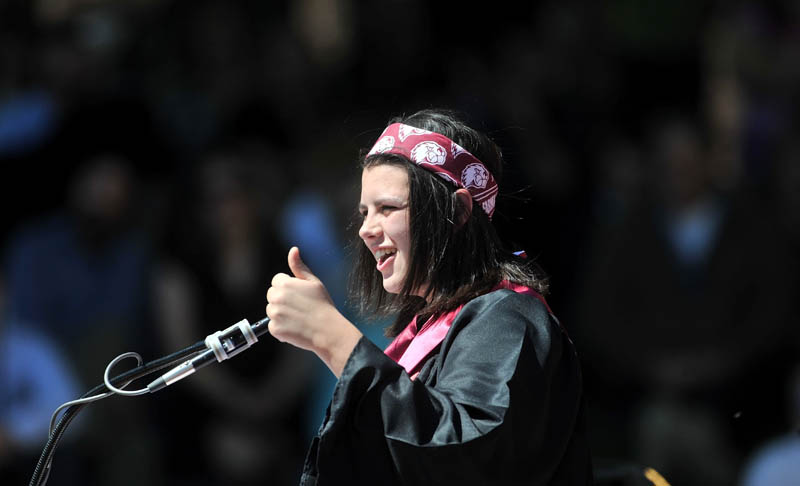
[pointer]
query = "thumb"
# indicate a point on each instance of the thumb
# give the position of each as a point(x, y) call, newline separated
point(298, 267)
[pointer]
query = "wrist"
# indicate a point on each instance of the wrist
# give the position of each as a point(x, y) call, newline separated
point(336, 345)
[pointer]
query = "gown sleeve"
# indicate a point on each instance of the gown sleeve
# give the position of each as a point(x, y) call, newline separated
point(497, 404)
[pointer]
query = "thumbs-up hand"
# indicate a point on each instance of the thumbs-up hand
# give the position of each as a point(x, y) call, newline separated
point(299, 267)
point(302, 313)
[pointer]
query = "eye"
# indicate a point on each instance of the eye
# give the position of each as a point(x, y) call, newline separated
point(389, 208)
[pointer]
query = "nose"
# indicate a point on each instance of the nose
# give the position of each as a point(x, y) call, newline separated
point(369, 228)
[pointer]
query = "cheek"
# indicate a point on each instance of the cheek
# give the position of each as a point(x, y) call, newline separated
point(401, 234)
point(403, 245)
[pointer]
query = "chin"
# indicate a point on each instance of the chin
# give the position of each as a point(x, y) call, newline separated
point(392, 286)
point(392, 289)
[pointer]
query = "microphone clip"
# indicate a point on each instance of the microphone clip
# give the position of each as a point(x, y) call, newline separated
point(228, 343)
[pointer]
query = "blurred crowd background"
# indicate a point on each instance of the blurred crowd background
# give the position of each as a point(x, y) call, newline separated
point(161, 156)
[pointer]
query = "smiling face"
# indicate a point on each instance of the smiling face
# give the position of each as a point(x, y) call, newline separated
point(385, 228)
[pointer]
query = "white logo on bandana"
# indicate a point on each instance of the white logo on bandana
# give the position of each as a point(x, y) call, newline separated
point(475, 175)
point(456, 149)
point(488, 205)
point(404, 131)
point(428, 153)
point(382, 145)
point(447, 177)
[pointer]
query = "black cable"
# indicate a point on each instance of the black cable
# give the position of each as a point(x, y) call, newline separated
point(45, 459)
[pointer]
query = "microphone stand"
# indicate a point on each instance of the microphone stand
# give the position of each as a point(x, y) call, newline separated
point(222, 345)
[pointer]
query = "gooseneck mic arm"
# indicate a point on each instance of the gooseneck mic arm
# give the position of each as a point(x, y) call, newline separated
point(219, 346)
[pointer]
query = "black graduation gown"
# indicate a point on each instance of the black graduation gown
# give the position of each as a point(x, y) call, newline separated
point(498, 402)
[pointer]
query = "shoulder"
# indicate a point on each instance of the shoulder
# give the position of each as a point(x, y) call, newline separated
point(515, 321)
point(506, 319)
point(41, 235)
point(515, 310)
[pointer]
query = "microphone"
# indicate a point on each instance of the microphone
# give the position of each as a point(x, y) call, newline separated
point(221, 346)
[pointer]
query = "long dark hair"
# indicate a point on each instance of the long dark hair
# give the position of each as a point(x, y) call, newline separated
point(453, 263)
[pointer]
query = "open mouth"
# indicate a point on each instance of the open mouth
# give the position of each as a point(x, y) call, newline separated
point(384, 256)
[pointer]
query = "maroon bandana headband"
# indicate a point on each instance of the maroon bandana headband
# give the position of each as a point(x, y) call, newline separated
point(439, 154)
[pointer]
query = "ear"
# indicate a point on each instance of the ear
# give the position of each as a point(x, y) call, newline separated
point(464, 208)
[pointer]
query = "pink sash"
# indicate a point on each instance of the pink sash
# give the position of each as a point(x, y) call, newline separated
point(410, 348)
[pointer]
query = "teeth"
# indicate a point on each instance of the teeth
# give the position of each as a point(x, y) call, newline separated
point(381, 254)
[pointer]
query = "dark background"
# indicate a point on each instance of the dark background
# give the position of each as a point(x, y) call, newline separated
point(651, 170)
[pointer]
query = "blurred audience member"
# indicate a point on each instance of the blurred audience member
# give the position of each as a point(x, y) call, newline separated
point(684, 320)
point(79, 277)
point(83, 269)
point(241, 422)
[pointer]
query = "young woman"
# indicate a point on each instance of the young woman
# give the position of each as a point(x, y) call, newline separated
point(481, 384)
